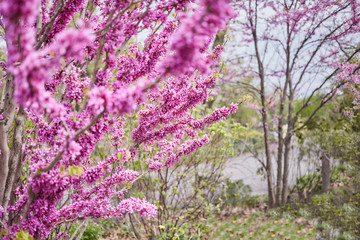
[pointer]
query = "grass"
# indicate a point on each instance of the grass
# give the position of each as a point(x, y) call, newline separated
point(260, 226)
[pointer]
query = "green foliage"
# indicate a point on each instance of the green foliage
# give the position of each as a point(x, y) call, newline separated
point(323, 227)
point(253, 201)
point(321, 119)
point(187, 231)
point(23, 235)
point(329, 129)
point(93, 231)
point(337, 209)
point(339, 137)
point(108, 224)
point(74, 170)
point(236, 192)
point(308, 181)
point(304, 213)
point(262, 226)
point(345, 236)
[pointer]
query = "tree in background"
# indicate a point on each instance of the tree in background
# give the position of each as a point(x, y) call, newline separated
point(294, 48)
point(72, 80)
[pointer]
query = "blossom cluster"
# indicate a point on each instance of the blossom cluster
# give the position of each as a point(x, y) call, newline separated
point(80, 82)
point(199, 28)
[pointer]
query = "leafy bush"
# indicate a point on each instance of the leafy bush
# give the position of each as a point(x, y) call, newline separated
point(336, 210)
point(93, 231)
point(237, 193)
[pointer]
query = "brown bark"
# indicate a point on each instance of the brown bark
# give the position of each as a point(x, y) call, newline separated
point(17, 182)
point(279, 156)
point(268, 169)
point(15, 156)
point(264, 116)
point(285, 188)
point(5, 124)
point(287, 145)
point(271, 194)
point(325, 172)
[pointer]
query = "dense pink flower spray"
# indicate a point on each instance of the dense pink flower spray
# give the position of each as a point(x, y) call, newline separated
point(76, 83)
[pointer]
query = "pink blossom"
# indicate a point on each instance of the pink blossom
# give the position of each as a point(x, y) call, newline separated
point(80, 83)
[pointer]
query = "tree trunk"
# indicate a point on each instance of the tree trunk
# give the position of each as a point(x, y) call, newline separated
point(325, 172)
point(265, 126)
point(271, 195)
point(280, 154)
point(15, 156)
point(285, 189)
point(287, 145)
point(8, 111)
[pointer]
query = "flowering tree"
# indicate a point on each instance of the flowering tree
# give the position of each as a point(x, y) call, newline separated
point(297, 47)
point(72, 78)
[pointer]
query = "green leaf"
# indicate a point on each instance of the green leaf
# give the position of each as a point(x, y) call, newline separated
point(23, 235)
point(127, 185)
point(128, 154)
point(120, 155)
point(75, 171)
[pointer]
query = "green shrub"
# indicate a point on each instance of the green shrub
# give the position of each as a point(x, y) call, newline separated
point(93, 231)
point(237, 193)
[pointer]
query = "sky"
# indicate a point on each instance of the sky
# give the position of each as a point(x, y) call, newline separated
point(274, 57)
